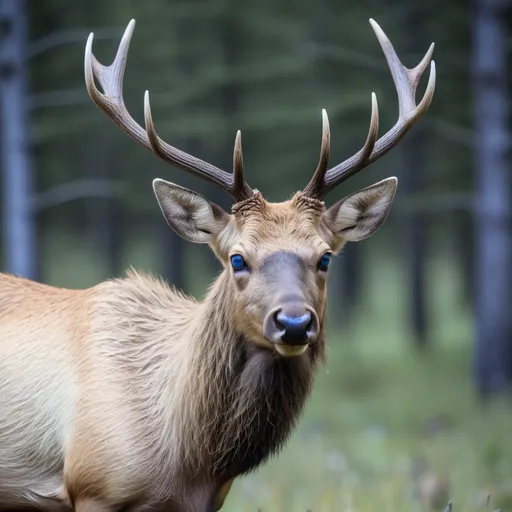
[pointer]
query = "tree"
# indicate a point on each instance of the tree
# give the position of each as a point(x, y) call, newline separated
point(415, 244)
point(19, 223)
point(493, 293)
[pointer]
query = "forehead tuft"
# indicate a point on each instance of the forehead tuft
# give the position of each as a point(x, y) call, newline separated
point(298, 208)
point(255, 204)
point(308, 205)
point(269, 226)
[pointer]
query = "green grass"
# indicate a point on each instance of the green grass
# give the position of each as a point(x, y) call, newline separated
point(367, 421)
point(377, 407)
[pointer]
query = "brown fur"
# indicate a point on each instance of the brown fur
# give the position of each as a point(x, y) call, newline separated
point(130, 395)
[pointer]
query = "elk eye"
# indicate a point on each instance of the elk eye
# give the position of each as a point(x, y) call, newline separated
point(323, 264)
point(238, 263)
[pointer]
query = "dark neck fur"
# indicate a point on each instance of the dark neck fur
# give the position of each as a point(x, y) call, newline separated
point(252, 397)
point(268, 393)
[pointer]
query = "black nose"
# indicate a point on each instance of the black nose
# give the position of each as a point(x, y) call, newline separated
point(294, 328)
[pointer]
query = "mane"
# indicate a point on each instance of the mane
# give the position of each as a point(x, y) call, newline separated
point(246, 400)
point(204, 397)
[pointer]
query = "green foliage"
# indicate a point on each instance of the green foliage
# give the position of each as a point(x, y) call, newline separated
point(266, 68)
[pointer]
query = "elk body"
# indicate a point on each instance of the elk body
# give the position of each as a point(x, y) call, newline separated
point(131, 396)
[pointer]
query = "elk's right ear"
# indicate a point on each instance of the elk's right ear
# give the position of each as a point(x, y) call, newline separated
point(361, 214)
point(189, 214)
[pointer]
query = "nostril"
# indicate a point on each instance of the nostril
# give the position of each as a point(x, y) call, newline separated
point(277, 322)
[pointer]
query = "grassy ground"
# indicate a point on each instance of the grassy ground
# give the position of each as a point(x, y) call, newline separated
point(378, 409)
point(370, 418)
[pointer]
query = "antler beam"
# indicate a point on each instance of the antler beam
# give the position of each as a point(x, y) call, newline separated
point(111, 101)
point(406, 82)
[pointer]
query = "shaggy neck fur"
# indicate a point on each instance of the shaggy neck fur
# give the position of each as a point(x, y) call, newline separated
point(247, 399)
point(209, 399)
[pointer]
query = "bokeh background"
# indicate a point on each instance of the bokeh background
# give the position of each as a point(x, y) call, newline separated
point(413, 407)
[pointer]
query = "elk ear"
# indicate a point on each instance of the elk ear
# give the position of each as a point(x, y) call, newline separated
point(361, 214)
point(189, 214)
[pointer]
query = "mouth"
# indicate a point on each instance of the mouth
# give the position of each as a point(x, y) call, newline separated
point(290, 350)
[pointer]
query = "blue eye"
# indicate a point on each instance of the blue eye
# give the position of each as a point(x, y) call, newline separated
point(323, 264)
point(238, 263)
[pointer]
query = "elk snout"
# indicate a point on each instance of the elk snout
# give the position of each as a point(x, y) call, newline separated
point(291, 328)
point(294, 328)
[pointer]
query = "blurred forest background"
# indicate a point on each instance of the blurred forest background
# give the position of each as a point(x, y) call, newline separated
point(413, 407)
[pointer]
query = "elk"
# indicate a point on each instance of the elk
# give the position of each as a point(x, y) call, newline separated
point(130, 396)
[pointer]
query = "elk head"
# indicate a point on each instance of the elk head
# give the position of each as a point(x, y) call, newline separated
point(277, 254)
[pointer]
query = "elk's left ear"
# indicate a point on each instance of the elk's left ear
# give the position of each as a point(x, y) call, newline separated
point(361, 214)
point(188, 213)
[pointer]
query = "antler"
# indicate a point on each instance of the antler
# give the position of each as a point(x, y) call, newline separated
point(112, 103)
point(406, 81)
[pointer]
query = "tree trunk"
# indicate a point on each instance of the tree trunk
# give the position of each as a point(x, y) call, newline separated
point(493, 297)
point(415, 236)
point(105, 219)
point(19, 223)
point(230, 93)
point(413, 178)
point(350, 281)
point(465, 256)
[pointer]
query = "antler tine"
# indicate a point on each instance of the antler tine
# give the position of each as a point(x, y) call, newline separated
point(323, 162)
point(112, 103)
point(111, 80)
point(406, 82)
point(238, 165)
point(233, 184)
point(316, 186)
